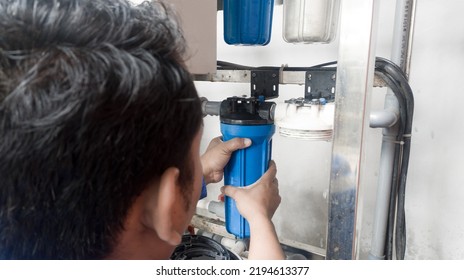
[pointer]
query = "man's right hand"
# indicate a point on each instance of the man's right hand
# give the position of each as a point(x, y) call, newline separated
point(259, 200)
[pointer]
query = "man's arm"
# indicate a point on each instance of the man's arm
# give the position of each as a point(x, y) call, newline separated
point(257, 203)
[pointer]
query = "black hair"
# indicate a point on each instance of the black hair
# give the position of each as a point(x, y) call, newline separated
point(95, 103)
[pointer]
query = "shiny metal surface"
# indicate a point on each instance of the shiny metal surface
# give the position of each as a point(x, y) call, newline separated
point(244, 76)
point(404, 33)
point(234, 76)
point(355, 75)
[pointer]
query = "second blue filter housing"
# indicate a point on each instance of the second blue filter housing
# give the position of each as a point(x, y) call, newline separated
point(242, 119)
point(248, 22)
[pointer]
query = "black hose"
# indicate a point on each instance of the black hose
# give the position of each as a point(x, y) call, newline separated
point(392, 206)
point(224, 65)
point(403, 91)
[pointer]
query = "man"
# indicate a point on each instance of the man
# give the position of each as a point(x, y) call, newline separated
point(100, 125)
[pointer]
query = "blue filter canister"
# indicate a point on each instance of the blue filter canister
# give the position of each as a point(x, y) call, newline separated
point(244, 118)
point(248, 22)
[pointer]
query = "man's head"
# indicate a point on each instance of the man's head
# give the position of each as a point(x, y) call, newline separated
point(96, 110)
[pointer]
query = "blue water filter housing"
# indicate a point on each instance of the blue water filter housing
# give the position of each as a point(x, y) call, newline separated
point(246, 166)
point(248, 22)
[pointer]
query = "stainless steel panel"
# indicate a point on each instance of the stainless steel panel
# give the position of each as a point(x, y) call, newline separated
point(355, 75)
point(244, 76)
point(232, 76)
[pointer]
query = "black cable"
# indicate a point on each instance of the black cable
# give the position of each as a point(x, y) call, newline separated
point(232, 66)
point(324, 64)
point(224, 65)
point(406, 147)
point(396, 88)
point(402, 88)
point(392, 208)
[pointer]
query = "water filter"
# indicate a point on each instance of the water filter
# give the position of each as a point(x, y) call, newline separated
point(248, 22)
point(310, 21)
point(245, 118)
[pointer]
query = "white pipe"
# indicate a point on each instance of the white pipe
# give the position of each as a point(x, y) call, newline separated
point(236, 246)
point(383, 119)
point(387, 156)
point(217, 207)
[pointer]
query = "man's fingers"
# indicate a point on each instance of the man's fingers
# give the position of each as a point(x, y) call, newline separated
point(271, 172)
point(234, 144)
point(214, 142)
point(229, 191)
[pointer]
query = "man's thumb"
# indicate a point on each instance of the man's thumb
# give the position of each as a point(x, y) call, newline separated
point(229, 191)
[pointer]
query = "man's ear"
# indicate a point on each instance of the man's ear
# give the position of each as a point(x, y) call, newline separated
point(161, 208)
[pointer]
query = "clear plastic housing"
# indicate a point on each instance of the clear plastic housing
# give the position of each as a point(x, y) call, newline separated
point(310, 21)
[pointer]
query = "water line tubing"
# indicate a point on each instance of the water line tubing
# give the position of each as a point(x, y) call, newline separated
point(397, 81)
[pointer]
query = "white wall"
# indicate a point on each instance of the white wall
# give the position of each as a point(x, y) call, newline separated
point(435, 227)
point(435, 194)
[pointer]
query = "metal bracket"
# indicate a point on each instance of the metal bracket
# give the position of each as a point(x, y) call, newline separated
point(265, 83)
point(320, 83)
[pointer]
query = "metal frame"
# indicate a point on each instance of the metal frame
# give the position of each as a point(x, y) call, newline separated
point(355, 76)
point(355, 79)
point(244, 76)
